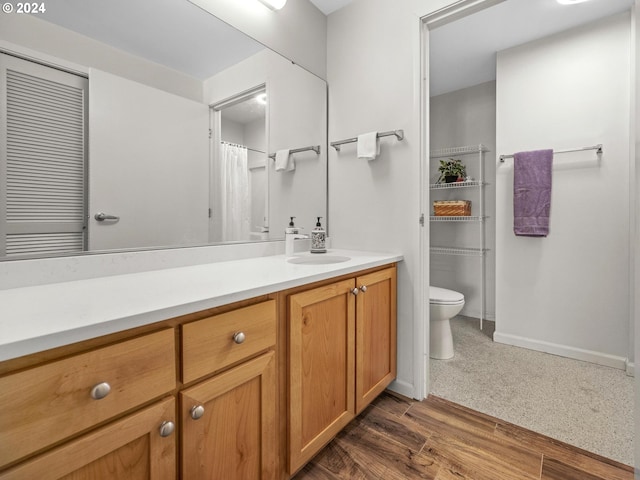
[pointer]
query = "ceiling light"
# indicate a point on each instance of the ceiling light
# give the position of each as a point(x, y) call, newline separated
point(570, 2)
point(274, 4)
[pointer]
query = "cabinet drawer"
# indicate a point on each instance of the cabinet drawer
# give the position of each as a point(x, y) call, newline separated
point(46, 404)
point(208, 345)
point(131, 448)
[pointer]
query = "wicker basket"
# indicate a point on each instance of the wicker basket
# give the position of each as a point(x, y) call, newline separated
point(452, 208)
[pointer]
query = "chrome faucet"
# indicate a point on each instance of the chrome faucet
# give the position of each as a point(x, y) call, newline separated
point(289, 237)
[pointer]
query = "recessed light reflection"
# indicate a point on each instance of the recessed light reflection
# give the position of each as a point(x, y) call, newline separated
point(570, 2)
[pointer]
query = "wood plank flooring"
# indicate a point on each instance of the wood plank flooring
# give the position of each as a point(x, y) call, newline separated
point(399, 439)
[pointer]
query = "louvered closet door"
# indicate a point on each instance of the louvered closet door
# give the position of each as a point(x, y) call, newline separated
point(42, 159)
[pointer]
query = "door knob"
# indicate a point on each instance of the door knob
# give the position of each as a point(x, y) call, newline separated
point(101, 217)
point(355, 291)
point(363, 288)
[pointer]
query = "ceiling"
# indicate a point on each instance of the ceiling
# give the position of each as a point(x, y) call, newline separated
point(174, 33)
point(330, 6)
point(463, 53)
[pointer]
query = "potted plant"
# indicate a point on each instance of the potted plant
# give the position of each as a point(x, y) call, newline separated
point(451, 170)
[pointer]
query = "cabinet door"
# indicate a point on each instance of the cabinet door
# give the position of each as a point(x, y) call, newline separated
point(321, 368)
point(375, 335)
point(132, 448)
point(233, 435)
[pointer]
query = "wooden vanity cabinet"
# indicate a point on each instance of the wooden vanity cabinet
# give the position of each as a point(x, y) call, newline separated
point(141, 446)
point(376, 343)
point(229, 420)
point(43, 405)
point(245, 391)
point(341, 355)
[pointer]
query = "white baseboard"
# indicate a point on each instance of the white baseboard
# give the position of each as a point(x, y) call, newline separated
point(403, 388)
point(630, 368)
point(562, 350)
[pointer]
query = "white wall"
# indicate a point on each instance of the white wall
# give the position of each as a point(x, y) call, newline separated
point(298, 31)
point(569, 292)
point(149, 154)
point(255, 137)
point(635, 142)
point(296, 118)
point(373, 52)
point(28, 31)
point(460, 118)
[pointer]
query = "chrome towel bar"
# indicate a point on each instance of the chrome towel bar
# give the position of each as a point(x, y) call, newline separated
point(598, 149)
point(315, 148)
point(398, 133)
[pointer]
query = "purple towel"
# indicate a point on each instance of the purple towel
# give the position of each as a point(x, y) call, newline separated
point(532, 193)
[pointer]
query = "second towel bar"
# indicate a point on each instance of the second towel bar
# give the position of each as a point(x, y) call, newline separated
point(398, 133)
point(315, 148)
point(598, 149)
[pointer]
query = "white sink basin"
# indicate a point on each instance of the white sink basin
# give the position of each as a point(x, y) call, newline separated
point(318, 259)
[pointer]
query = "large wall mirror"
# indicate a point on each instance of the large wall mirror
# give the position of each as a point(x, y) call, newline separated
point(151, 124)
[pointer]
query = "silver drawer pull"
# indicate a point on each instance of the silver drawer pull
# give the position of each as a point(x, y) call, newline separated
point(355, 291)
point(100, 391)
point(239, 337)
point(197, 412)
point(167, 428)
point(101, 217)
point(363, 288)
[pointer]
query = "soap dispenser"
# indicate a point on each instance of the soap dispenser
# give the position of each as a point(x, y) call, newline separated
point(318, 238)
point(291, 228)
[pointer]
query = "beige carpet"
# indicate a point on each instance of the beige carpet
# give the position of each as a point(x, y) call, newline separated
point(580, 403)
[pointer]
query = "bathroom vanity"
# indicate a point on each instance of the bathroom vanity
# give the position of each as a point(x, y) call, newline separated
point(240, 369)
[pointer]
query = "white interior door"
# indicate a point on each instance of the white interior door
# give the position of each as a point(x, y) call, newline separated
point(149, 166)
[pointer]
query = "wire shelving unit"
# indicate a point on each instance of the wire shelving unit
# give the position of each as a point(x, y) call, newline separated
point(480, 251)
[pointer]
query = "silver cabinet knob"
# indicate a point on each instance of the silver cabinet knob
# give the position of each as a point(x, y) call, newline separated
point(197, 412)
point(363, 288)
point(239, 337)
point(167, 428)
point(355, 291)
point(100, 391)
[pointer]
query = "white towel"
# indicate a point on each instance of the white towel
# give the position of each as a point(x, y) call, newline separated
point(284, 161)
point(368, 145)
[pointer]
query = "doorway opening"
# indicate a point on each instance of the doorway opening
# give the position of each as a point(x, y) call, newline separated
point(239, 174)
point(530, 93)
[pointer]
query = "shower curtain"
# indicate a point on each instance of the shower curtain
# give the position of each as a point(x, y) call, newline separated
point(236, 205)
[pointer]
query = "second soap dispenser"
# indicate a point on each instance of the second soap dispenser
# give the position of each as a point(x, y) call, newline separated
point(318, 238)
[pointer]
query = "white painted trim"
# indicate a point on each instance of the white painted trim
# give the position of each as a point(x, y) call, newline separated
point(43, 58)
point(432, 19)
point(562, 350)
point(490, 316)
point(633, 192)
point(403, 388)
point(421, 315)
point(630, 368)
point(456, 11)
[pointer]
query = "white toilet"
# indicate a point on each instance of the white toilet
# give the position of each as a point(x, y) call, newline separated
point(443, 305)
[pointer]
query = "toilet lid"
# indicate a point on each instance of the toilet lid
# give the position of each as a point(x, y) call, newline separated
point(444, 296)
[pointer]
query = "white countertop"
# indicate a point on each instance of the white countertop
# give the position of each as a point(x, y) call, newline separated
point(38, 318)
